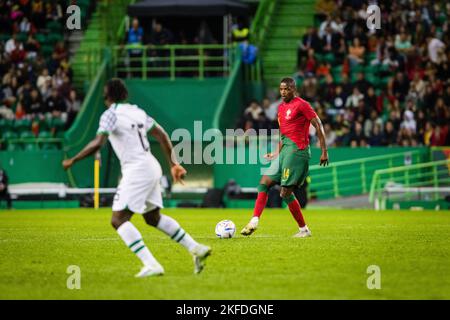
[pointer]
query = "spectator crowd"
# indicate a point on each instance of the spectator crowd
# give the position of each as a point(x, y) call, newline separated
point(380, 87)
point(35, 73)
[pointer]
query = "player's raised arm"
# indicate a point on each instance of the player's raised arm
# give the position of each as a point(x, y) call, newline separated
point(321, 134)
point(91, 148)
point(177, 171)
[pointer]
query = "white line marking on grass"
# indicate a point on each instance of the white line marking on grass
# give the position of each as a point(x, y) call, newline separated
point(99, 239)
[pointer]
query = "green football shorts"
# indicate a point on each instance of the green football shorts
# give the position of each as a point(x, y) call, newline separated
point(293, 166)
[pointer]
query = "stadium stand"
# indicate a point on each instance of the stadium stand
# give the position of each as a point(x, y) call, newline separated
point(371, 88)
point(37, 98)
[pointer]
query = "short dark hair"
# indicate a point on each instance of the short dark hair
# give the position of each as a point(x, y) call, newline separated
point(289, 81)
point(116, 90)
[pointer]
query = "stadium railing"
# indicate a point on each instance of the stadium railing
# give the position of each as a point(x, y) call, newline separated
point(172, 61)
point(410, 182)
point(354, 177)
point(106, 28)
point(261, 22)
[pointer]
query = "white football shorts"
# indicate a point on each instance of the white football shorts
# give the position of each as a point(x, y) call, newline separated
point(139, 191)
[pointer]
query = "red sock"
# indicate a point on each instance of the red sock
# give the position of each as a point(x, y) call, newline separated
point(260, 204)
point(294, 207)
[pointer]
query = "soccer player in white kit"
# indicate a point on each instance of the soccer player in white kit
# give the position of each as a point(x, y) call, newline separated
point(126, 127)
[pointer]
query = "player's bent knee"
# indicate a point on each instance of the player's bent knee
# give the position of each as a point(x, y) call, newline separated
point(152, 217)
point(285, 193)
point(116, 222)
point(118, 219)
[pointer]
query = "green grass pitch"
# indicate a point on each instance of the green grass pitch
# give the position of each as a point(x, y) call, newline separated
point(412, 250)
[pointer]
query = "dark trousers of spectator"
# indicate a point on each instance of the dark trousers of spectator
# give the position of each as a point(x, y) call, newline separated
point(4, 195)
point(135, 64)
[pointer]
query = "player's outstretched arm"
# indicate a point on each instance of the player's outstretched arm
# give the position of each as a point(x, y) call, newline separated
point(91, 148)
point(321, 134)
point(177, 171)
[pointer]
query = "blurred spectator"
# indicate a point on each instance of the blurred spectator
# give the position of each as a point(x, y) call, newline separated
point(55, 106)
point(27, 73)
point(248, 52)
point(160, 35)
point(44, 82)
point(331, 40)
point(12, 44)
point(34, 104)
point(254, 116)
point(376, 137)
point(135, 38)
point(310, 40)
point(390, 134)
point(271, 112)
point(240, 31)
point(356, 53)
point(4, 192)
point(73, 105)
point(354, 99)
point(330, 135)
point(357, 137)
point(435, 49)
point(135, 33)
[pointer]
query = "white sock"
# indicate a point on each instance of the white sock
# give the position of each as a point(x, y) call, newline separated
point(133, 239)
point(305, 228)
point(172, 228)
point(254, 221)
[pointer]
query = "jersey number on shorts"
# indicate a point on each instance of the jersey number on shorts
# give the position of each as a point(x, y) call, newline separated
point(142, 135)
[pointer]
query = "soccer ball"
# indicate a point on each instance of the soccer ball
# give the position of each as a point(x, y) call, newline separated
point(225, 229)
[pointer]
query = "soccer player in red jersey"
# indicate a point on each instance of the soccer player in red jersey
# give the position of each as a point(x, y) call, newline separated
point(294, 117)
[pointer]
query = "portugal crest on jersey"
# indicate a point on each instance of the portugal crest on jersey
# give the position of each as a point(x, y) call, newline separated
point(288, 114)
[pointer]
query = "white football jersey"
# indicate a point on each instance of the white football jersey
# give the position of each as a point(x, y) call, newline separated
point(126, 126)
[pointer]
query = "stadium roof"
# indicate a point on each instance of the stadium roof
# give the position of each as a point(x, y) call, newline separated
point(187, 8)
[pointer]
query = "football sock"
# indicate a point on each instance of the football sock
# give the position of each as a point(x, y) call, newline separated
point(261, 200)
point(295, 209)
point(254, 221)
point(133, 239)
point(172, 228)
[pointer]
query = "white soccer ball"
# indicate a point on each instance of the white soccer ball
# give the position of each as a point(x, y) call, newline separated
point(225, 229)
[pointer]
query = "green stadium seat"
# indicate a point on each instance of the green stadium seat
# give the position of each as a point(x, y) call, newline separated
point(58, 124)
point(49, 146)
point(41, 38)
point(372, 78)
point(31, 147)
point(371, 69)
point(330, 58)
point(83, 3)
point(8, 135)
point(6, 125)
point(14, 147)
point(370, 57)
point(357, 68)
point(54, 37)
point(338, 68)
point(22, 125)
point(384, 81)
point(22, 37)
point(45, 145)
point(4, 37)
point(46, 50)
point(45, 135)
point(27, 135)
point(60, 134)
point(54, 27)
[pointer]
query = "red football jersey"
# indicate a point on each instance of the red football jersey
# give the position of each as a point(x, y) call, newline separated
point(294, 119)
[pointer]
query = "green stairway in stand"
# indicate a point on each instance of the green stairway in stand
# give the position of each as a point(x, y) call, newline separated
point(106, 28)
point(290, 20)
point(88, 54)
